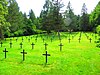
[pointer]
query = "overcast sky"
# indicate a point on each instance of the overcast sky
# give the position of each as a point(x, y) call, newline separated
point(37, 5)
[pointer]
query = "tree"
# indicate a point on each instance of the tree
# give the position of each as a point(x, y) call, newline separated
point(4, 25)
point(70, 18)
point(15, 18)
point(84, 21)
point(95, 17)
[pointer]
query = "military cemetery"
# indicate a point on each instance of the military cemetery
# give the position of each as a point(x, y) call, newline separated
point(54, 43)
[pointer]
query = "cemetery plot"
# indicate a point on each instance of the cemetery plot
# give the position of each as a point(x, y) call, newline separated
point(73, 54)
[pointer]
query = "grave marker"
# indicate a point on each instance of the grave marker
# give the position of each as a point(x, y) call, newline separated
point(22, 39)
point(24, 54)
point(32, 45)
point(51, 39)
point(36, 40)
point(43, 39)
point(21, 45)
point(61, 46)
point(5, 52)
point(10, 44)
point(45, 46)
point(28, 40)
point(46, 56)
point(79, 39)
point(69, 40)
point(90, 40)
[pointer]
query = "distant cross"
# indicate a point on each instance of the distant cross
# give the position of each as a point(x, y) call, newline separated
point(10, 44)
point(10, 40)
point(28, 40)
point(61, 46)
point(22, 39)
point(51, 39)
point(32, 45)
point(5, 39)
point(46, 56)
point(5, 52)
point(69, 40)
point(24, 54)
point(90, 40)
point(36, 40)
point(95, 37)
point(43, 39)
point(1, 44)
point(26, 37)
point(45, 46)
point(79, 39)
point(16, 39)
point(21, 45)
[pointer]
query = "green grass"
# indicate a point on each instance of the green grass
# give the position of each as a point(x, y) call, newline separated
point(75, 58)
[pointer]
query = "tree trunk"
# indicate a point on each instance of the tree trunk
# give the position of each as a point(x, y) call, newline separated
point(1, 34)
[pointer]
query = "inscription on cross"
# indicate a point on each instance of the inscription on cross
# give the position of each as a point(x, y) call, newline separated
point(24, 54)
point(45, 46)
point(32, 45)
point(60, 46)
point(5, 52)
point(46, 56)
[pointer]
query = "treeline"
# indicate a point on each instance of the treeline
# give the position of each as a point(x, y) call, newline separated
point(15, 23)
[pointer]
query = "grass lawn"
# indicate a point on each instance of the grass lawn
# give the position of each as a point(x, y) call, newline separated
point(75, 58)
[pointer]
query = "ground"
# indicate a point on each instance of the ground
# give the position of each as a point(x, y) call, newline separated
point(75, 58)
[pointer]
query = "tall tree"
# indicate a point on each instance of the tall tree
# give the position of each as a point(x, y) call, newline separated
point(95, 17)
point(3, 12)
point(84, 21)
point(15, 17)
point(70, 18)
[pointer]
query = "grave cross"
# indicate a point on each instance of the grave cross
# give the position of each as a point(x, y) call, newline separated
point(22, 39)
point(69, 40)
point(46, 56)
point(16, 39)
point(21, 45)
point(43, 39)
point(10, 40)
point(5, 52)
point(28, 40)
point(10, 44)
point(36, 40)
point(90, 40)
point(24, 54)
point(45, 46)
point(79, 39)
point(51, 39)
point(61, 46)
point(1, 44)
point(32, 45)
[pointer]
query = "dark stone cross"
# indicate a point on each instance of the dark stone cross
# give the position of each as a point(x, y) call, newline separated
point(51, 39)
point(90, 40)
point(10, 44)
point(21, 45)
point(10, 40)
point(36, 40)
point(45, 46)
point(5, 52)
point(69, 40)
point(22, 39)
point(28, 40)
point(43, 39)
point(1, 44)
point(46, 56)
point(24, 54)
point(79, 39)
point(16, 39)
point(60, 46)
point(32, 45)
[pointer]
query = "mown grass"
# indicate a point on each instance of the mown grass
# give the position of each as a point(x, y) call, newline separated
point(75, 58)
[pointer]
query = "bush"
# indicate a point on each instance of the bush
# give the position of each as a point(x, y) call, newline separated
point(98, 29)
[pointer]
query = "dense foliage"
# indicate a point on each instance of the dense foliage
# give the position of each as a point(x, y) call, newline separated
point(15, 23)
